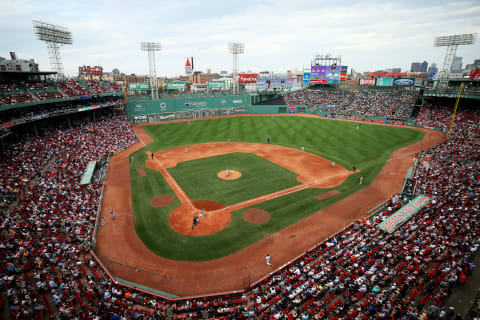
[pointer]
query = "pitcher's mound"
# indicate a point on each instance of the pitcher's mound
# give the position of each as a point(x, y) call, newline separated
point(161, 201)
point(256, 216)
point(232, 175)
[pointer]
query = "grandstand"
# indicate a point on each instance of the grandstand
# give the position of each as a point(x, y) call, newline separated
point(52, 129)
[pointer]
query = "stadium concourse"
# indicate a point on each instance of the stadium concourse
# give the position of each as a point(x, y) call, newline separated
point(361, 272)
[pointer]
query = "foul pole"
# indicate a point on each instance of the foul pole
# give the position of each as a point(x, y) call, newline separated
point(455, 110)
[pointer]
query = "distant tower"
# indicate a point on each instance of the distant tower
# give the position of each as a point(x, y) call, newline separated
point(423, 66)
point(235, 49)
point(54, 37)
point(457, 64)
point(451, 42)
point(151, 47)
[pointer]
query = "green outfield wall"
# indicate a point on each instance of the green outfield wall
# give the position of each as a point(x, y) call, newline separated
point(184, 105)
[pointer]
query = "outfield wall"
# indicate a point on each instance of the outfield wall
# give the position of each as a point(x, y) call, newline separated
point(202, 107)
point(184, 104)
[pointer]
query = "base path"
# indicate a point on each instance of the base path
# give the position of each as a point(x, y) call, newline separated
point(119, 247)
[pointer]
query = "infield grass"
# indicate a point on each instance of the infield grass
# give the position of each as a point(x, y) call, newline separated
point(367, 148)
point(198, 178)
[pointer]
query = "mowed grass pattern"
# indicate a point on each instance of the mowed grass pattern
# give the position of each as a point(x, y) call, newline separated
point(198, 178)
point(367, 148)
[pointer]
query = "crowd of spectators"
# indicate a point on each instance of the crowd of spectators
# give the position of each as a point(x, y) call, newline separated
point(361, 272)
point(437, 114)
point(389, 104)
point(7, 99)
point(72, 88)
point(35, 84)
point(98, 87)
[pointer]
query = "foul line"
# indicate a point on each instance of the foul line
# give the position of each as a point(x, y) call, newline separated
point(274, 195)
point(181, 195)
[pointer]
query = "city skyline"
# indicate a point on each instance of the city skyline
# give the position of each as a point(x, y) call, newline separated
point(278, 35)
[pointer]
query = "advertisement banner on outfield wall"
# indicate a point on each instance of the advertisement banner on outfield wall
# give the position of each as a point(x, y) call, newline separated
point(247, 77)
point(176, 85)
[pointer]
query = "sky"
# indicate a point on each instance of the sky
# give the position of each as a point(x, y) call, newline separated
point(278, 35)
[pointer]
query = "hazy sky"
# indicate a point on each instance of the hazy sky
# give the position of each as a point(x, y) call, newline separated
point(278, 35)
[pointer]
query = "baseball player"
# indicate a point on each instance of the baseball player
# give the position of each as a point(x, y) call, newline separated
point(267, 260)
point(195, 222)
point(228, 172)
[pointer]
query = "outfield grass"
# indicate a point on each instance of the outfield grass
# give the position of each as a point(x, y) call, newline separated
point(367, 148)
point(198, 178)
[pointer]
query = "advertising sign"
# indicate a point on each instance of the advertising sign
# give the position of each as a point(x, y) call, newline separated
point(404, 82)
point(144, 86)
point(343, 73)
point(404, 214)
point(332, 75)
point(275, 84)
point(306, 74)
point(306, 77)
point(176, 85)
point(385, 74)
point(216, 84)
point(262, 84)
point(95, 71)
point(367, 82)
point(317, 75)
point(189, 66)
point(288, 83)
point(384, 82)
point(247, 77)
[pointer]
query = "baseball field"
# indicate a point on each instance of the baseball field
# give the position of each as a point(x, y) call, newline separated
point(277, 198)
point(366, 148)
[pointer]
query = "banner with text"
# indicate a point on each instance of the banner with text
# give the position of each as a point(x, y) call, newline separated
point(176, 85)
point(397, 219)
point(262, 84)
point(144, 86)
point(247, 77)
point(216, 84)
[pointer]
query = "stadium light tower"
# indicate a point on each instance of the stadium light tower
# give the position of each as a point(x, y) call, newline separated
point(54, 37)
point(151, 47)
point(235, 49)
point(451, 42)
